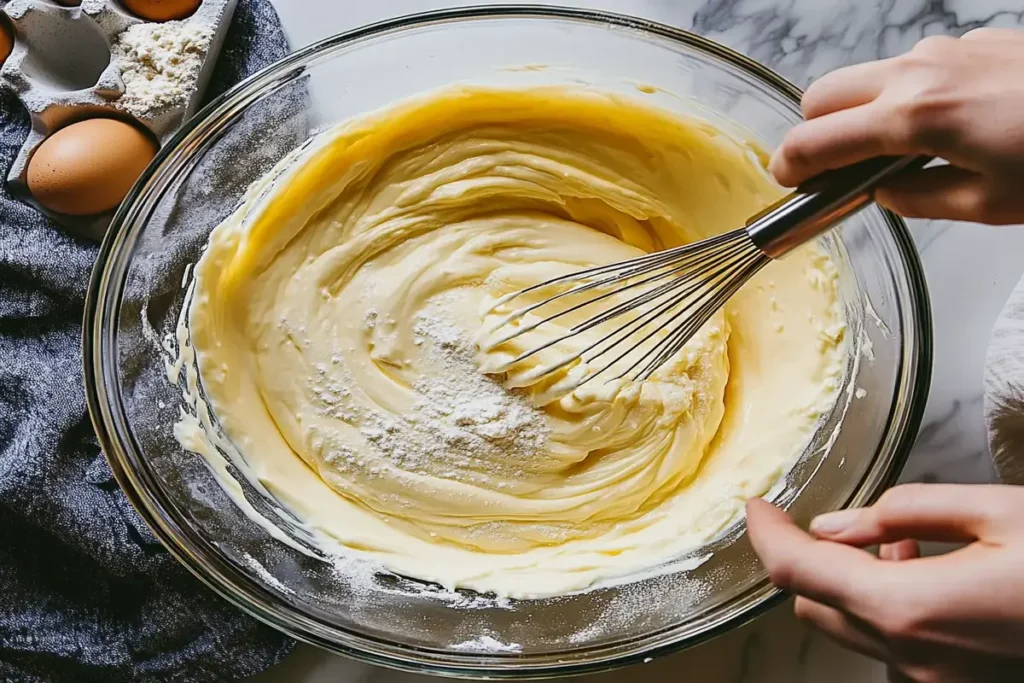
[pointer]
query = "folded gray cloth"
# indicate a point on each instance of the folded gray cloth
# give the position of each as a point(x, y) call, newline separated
point(86, 592)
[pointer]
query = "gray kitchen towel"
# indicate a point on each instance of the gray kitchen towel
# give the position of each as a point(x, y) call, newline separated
point(1004, 390)
point(86, 592)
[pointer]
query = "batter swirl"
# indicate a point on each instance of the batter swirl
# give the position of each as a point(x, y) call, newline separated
point(334, 317)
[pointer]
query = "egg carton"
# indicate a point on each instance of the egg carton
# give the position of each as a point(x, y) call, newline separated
point(64, 70)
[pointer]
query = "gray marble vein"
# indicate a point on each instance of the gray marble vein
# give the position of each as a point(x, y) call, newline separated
point(804, 39)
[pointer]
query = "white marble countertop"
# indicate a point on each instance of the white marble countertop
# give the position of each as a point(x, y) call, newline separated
point(802, 39)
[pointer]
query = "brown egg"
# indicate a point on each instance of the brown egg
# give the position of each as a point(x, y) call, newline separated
point(88, 167)
point(6, 39)
point(162, 10)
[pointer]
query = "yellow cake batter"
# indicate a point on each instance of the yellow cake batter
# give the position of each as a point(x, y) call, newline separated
point(333, 319)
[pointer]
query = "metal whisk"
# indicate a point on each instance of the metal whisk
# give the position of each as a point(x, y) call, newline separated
point(666, 297)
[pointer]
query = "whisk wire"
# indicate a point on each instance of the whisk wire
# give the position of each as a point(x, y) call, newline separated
point(688, 276)
point(691, 288)
point(657, 257)
point(617, 310)
point(699, 277)
point(680, 256)
point(685, 332)
point(678, 338)
point(624, 331)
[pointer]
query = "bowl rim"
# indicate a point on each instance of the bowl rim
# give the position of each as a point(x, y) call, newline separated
point(239, 589)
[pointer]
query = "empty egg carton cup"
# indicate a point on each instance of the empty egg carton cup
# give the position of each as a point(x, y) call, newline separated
point(65, 68)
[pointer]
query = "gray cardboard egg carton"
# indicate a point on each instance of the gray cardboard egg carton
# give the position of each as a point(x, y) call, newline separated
point(64, 71)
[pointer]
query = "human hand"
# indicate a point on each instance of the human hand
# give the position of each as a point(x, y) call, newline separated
point(944, 619)
point(961, 100)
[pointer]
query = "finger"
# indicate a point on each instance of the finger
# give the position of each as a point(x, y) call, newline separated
point(925, 512)
point(848, 632)
point(993, 34)
point(830, 573)
point(844, 88)
point(833, 141)
point(949, 192)
point(907, 549)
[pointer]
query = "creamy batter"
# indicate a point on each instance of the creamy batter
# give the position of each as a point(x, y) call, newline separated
point(334, 315)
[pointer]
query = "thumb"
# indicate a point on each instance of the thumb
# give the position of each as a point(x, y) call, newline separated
point(925, 512)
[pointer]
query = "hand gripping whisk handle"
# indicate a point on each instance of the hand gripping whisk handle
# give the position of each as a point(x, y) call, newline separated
point(823, 201)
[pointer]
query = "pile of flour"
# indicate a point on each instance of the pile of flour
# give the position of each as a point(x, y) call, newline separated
point(461, 420)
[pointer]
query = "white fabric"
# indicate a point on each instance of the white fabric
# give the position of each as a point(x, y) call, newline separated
point(1004, 390)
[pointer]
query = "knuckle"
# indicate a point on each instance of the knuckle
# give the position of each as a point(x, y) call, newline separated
point(897, 497)
point(900, 624)
point(928, 59)
point(988, 33)
point(893, 625)
point(790, 573)
point(981, 204)
point(794, 149)
point(976, 33)
point(996, 507)
point(921, 674)
point(923, 114)
point(803, 609)
point(782, 575)
point(984, 203)
point(818, 91)
point(934, 45)
point(924, 121)
point(924, 99)
point(809, 100)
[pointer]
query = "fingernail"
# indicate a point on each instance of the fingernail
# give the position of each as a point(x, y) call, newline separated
point(834, 523)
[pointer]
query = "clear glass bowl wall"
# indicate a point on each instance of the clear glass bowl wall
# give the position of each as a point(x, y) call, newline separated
point(136, 298)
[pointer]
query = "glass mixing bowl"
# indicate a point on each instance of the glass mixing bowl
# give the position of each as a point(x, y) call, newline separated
point(197, 179)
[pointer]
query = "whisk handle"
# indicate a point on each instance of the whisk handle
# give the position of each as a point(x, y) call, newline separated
point(823, 201)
